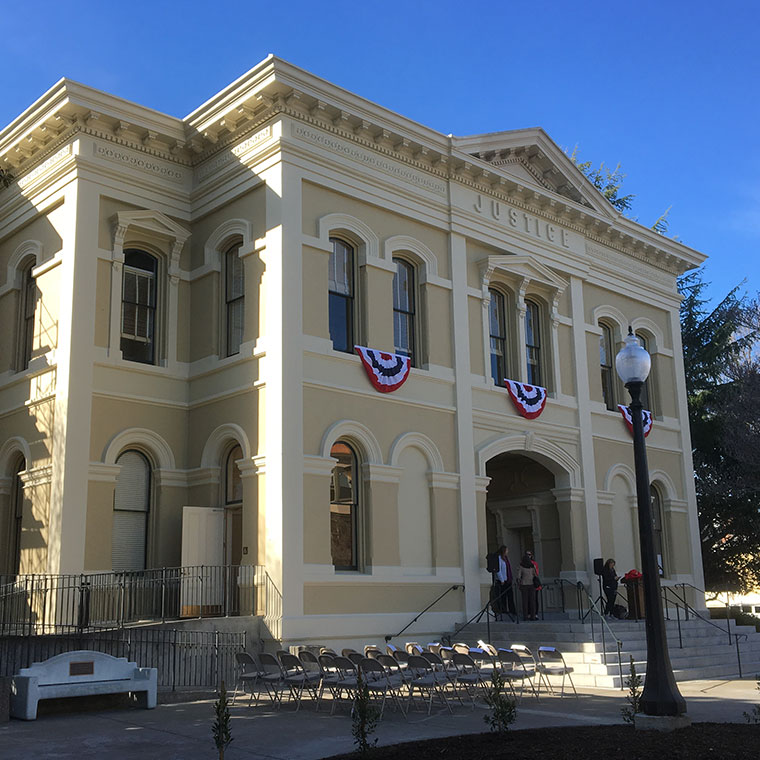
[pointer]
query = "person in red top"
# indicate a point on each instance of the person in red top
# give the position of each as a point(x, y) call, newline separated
point(538, 588)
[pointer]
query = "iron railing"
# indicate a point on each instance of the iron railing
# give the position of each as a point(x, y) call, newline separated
point(422, 612)
point(184, 659)
point(59, 604)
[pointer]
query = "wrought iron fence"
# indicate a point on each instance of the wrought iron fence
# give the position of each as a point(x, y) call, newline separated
point(44, 604)
point(184, 659)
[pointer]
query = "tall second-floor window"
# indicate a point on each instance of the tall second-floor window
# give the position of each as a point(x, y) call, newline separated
point(403, 309)
point(533, 343)
point(138, 307)
point(341, 295)
point(234, 297)
point(498, 333)
point(605, 367)
point(28, 306)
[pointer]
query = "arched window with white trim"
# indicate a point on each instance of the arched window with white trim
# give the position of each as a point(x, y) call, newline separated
point(655, 501)
point(131, 509)
point(234, 299)
point(404, 302)
point(606, 359)
point(29, 298)
point(341, 295)
point(344, 507)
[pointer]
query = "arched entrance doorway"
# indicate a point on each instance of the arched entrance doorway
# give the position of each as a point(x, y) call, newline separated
point(521, 511)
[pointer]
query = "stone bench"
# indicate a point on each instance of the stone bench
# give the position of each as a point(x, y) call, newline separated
point(80, 673)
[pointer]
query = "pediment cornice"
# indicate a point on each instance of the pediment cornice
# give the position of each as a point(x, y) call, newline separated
point(276, 88)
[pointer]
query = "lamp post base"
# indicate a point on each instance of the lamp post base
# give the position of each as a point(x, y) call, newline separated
point(661, 722)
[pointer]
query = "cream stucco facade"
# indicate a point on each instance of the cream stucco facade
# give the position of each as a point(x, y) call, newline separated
point(278, 165)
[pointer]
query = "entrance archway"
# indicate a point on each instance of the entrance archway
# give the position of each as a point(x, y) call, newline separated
point(521, 510)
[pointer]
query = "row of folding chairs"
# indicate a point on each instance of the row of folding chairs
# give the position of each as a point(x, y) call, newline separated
point(401, 676)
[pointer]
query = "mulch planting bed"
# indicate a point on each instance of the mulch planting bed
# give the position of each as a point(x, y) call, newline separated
point(701, 740)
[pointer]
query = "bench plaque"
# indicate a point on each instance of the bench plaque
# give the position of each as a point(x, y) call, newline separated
point(81, 668)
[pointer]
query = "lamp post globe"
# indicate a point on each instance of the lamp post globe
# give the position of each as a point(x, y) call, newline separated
point(660, 696)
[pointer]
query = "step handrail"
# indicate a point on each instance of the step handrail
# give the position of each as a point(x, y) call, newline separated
point(688, 608)
point(592, 608)
point(422, 612)
point(487, 610)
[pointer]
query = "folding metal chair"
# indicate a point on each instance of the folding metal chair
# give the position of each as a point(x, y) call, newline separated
point(377, 682)
point(345, 682)
point(552, 663)
point(469, 675)
point(272, 678)
point(426, 681)
point(248, 673)
point(530, 665)
point(512, 669)
point(297, 678)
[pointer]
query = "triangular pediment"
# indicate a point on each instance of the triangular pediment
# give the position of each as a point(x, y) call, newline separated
point(151, 221)
point(523, 268)
point(531, 156)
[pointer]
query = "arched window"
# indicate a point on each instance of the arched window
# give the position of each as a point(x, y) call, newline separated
point(233, 483)
point(533, 343)
point(131, 505)
point(341, 295)
point(138, 307)
point(17, 518)
point(403, 309)
point(646, 396)
point(605, 367)
point(29, 296)
point(498, 332)
point(655, 501)
point(234, 298)
point(344, 506)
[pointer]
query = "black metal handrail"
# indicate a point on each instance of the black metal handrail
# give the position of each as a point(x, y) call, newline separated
point(422, 612)
point(593, 609)
point(733, 638)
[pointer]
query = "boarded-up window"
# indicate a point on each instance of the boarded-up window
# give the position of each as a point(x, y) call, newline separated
point(130, 512)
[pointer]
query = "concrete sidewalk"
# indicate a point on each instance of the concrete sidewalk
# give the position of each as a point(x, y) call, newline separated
point(183, 731)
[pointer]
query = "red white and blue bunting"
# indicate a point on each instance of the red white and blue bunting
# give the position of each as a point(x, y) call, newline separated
point(626, 412)
point(529, 400)
point(386, 372)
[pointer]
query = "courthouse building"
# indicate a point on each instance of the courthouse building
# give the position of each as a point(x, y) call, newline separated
point(180, 302)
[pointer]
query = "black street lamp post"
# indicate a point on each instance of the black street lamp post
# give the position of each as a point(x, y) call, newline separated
point(660, 696)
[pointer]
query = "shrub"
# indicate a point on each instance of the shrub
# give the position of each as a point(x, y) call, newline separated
point(503, 710)
point(364, 717)
point(221, 729)
point(633, 682)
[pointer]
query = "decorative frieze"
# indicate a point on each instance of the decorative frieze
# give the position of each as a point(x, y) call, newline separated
point(368, 158)
point(56, 158)
point(213, 165)
point(141, 162)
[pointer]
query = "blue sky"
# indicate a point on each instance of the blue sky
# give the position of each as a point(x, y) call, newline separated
point(668, 89)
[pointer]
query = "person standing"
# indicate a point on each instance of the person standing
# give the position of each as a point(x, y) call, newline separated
point(538, 575)
point(525, 575)
point(610, 584)
point(504, 578)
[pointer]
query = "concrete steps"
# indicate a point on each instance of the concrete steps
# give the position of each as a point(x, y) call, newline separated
point(703, 650)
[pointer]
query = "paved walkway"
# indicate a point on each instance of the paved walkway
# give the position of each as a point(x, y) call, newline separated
point(183, 731)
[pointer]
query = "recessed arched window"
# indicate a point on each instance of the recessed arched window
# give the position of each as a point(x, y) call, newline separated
point(29, 296)
point(605, 366)
point(131, 507)
point(17, 518)
point(341, 295)
point(138, 307)
point(646, 396)
point(233, 483)
point(655, 501)
point(497, 328)
point(533, 343)
point(234, 298)
point(344, 507)
point(403, 309)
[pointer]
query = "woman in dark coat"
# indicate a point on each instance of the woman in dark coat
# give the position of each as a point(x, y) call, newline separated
point(609, 584)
